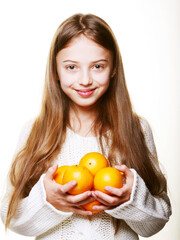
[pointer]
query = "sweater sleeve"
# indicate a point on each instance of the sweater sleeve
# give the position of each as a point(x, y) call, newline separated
point(35, 215)
point(144, 213)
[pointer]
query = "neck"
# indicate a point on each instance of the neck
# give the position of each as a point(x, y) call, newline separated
point(82, 120)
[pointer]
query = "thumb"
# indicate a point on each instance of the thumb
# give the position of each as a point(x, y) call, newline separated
point(51, 171)
point(125, 170)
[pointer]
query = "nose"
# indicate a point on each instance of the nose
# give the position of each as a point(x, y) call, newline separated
point(85, 78)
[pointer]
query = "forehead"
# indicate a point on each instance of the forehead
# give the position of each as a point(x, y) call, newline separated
point(82, 48)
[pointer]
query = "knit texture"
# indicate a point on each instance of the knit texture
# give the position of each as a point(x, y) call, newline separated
point(142, 215)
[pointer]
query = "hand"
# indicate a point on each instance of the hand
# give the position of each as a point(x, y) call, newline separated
point(57, 195)
point(119, 195)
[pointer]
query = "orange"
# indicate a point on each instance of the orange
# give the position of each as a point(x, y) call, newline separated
point(108, 176)
point(94, 161)
point(58, 176)
point(83, 177)
point(89, 206)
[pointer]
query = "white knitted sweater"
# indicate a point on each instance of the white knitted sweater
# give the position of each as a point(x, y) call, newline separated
point(142, 215)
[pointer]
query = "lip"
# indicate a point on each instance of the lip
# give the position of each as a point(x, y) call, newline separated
point(85, 92)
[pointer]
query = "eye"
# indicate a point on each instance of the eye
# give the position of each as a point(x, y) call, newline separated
point(71, 67)
point(98, 67)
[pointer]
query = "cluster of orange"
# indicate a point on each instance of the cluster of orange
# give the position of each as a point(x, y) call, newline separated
point(92, 173)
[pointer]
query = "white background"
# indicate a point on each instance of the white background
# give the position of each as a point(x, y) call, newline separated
point(149, 37)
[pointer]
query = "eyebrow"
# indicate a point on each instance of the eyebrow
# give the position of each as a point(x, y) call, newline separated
point(99, 60)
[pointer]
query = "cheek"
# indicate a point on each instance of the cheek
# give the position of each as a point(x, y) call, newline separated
point(103, 79)
point(65, 80)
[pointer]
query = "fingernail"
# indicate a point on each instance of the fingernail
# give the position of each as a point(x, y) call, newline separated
point(117, 167)
point(53, 167)
point(96, 193)
point(93, 194)
point(74, 182)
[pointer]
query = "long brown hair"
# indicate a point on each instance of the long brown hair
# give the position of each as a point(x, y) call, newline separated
point(115, 111)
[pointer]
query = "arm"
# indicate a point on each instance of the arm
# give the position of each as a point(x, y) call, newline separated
point(144, 213)
point(47, 205)
point(34, 215)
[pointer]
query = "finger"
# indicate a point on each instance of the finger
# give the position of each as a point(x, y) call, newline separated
point(123, 194)
point(123, 168)
point(129, 177)
point(105, 198)
point(81, 211)
point(111, 201)
point(100, 207)
point(49, 174)
point(85, 201)
point(96, 197)
point(78, 199)
point(116, 191)
point(68, 186)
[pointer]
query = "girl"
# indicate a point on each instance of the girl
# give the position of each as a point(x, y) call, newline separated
point(86, 108)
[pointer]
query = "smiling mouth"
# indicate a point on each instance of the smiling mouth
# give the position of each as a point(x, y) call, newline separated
point(85, 92)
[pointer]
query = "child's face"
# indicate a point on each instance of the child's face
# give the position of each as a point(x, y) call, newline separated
point(84, 70)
